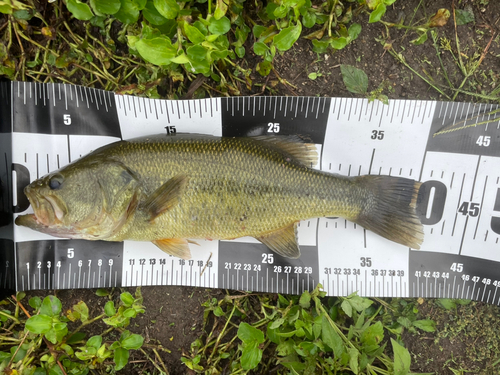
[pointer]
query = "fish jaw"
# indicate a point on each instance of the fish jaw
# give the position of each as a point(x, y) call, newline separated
point(31, 221)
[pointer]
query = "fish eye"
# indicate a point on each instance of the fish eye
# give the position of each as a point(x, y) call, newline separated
point(55, 182)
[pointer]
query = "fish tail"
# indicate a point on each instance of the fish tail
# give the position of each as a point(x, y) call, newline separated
point(389, 209)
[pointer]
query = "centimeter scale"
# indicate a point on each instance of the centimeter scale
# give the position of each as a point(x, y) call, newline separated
point(453, 148)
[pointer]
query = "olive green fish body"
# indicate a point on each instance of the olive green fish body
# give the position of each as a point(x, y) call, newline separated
point(167, 189)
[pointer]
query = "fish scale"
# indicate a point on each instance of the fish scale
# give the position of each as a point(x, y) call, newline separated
point(271, 188)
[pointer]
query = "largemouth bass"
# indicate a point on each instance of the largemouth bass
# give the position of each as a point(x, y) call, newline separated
point(173, 189)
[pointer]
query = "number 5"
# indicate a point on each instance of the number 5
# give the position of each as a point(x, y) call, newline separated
point(71, 253)
point(67, 119)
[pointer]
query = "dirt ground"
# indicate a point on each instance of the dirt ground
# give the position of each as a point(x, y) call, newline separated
point(174, 315)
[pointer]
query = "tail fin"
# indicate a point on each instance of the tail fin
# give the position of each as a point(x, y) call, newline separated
point(389, 209)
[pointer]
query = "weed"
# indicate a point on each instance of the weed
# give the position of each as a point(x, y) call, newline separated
point(42, 342)
point(295, 334)
point(136, 46)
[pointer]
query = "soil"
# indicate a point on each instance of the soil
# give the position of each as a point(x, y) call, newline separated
point(174, 315)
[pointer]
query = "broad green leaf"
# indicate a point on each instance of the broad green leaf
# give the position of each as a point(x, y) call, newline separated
point(4, 356)
point(402, 359)
point(320, 46)
point(193, 34)
point(101, 7)
point(240, 51)
point(250, 356)
point(95, 342)
point(247, 333)
point(83, 310)
point(377, 14)
point(101, 292)
point(309, 19)
point(39, 324)
point(109, 308)
point(353, 359)
point(258, 30)
point(355, 80)
point(130, 313)
point(277, 323)
point(286, 348)
point(346, 306)
point(140, 4)
point(220, 26)
point(359, 303)
point(281, 11)
point(354, 31)
point(21, 352)
point(152, 15)
point(373, 335)
point(305, 300)
point(287, 37)
point(181, 59)
point(121, 358)
point(464, 16)
point(447, 303)
point(260, 48)
point(51, 306)
point(35, 302)
point(339, 43)
point(167, 8)
point(331, 337)
point(22, 14)
point(220, 10)
point(128, 13)
point(264, 68)
point(5, 8)
point(158, 51)
point(427, 325)
point(134, 341)
point(79, 10)
point(199, 53)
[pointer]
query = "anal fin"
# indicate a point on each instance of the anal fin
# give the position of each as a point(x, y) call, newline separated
point(178, 247)
point(283, 241)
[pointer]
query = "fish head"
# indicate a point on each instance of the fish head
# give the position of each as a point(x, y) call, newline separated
point(86, 200)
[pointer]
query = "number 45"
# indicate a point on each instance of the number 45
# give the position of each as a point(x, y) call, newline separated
point(483, 141)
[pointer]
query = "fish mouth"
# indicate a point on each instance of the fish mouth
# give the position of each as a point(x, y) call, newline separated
point(48, 209)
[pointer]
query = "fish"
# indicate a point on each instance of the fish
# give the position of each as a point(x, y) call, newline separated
point(172, 190)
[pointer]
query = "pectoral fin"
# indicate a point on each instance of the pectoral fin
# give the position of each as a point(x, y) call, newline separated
point(166, 196)
point(283, 241)
point(178, 247)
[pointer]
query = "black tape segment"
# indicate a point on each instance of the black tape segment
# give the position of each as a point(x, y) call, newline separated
point(7, 268)
point(68, 264)
point(440, 275)
point(64, 109)
point(252, 116)
point(465, 128)
point(255, 267)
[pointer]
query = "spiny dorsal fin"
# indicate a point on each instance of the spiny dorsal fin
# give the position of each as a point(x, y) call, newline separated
point(304, 152)
point(166, 196)
point(178, 247)
point(283, 241)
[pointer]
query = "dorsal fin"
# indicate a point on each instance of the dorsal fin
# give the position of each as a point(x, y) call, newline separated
point(292, 144)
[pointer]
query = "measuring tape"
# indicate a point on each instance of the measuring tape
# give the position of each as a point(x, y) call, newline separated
point(453, 148)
